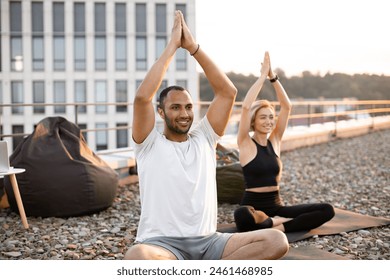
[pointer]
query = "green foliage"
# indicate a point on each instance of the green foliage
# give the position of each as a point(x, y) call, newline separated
point(309, 86)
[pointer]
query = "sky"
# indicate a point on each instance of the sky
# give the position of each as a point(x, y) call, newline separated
point(320, 36)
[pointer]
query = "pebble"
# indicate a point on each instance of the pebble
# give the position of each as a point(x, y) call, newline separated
point(352, 174)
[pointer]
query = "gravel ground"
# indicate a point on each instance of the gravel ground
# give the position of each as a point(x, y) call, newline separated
point(352, 174)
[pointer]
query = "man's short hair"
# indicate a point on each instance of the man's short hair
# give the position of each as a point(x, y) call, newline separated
point(164, 93)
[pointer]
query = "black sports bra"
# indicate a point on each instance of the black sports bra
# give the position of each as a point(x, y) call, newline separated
point(265, 169)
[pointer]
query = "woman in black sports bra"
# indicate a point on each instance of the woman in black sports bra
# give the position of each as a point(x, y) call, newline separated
point(261, 205)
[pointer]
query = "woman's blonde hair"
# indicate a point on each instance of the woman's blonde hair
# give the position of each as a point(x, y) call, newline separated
point(256, 106)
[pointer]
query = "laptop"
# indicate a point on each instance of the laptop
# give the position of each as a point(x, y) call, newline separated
point(4, 159)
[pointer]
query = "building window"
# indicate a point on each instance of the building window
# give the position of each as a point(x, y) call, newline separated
point(59, 53)
point(100, 36)
point(82, 127)
point(182, 83)
point(120, 53)
point(161, 28)
point(17, 97)
point(79, 53)
point(79, 18)
point(39, 96)
point(121, 95)
point(161, 42)
point(181, 60)
point(16, 36)
point(164, 84)
point(58, 36)
point(37, 53)
point(101, 136)
point(140, 41)
point(120, 37)
point(141, 55)
point(80, 95)
point(100, 53)
point(181, 54)
point(58, 17)
point(59, 96)
point(101, 96)
point(16, 53)
point(1, 99)
point(79, 36)
point(37, 36)
point(16, 140)
point(122, 135)
point(0, 54)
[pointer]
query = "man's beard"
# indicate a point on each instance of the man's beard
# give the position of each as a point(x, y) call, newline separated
point(175, 128)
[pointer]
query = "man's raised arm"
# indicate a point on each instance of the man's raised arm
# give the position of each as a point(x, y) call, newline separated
point(143, 115)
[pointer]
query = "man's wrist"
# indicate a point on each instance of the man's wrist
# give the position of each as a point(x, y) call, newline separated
point(195, 51)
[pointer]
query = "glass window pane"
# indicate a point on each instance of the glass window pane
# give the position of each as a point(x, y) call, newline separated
point(15, 17)
point(17, 97)
point(182, 83)
point(121, 95)
point(122, 136)
point(17, 129)
point(39, 96)
point(1, 100)
point(100, 53)
point(80, 95)
point(16, 46)
point(100, 96)
point(181, 59)
point(141, 53)
point(37, 53)
point(16, 53)
point(37, 16)
point(59, 96)
point(100, 17)
point(161, 18)
point(83, 126)
point(182, 8)
point(79, 17)
point(101, 136)
point(120, 53)
point(79, 53)
point(140, 18)
point(160, 45)
point(58, 17)
point(59, 53)
point(163, 85)
point(120, 17)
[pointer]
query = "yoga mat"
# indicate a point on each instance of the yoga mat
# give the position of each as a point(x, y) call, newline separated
point(311, 253)
point(343, 221)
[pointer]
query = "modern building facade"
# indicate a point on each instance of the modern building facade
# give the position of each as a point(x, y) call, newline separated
point(79, 59)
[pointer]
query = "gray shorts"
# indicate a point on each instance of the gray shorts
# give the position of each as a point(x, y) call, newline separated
point(208, 247)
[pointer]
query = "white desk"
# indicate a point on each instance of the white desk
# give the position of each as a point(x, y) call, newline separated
point(11, 173)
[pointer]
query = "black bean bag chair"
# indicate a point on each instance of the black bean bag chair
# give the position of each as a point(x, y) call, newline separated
point(230, 180)
point(63, 177)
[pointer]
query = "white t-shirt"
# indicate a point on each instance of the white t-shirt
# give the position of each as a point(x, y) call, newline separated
point(177, 184)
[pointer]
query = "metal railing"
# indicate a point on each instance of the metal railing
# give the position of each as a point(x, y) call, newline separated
point(303, 113)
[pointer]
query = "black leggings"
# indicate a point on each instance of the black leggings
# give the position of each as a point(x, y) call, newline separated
point(305, 216)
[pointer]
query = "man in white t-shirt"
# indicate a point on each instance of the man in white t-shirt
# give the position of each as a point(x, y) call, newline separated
point(177, 168)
